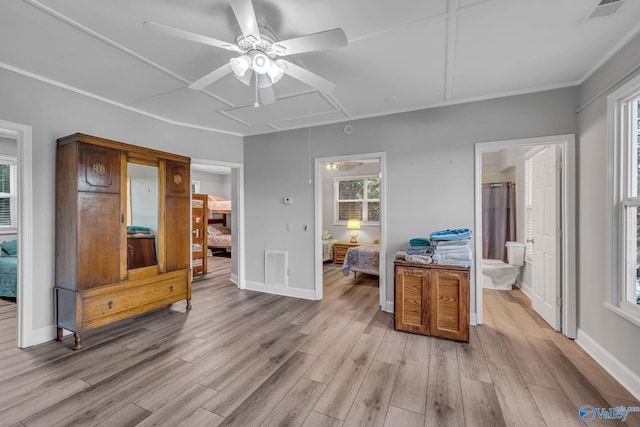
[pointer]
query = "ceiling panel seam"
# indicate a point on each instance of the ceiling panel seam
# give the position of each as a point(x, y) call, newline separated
point(115, 45)
point(70, 88)
point(452, 30)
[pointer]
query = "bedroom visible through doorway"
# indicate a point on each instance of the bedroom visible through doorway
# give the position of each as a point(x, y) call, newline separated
point(349, 223)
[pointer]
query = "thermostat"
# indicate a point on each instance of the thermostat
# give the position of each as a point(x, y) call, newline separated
point(288, 200)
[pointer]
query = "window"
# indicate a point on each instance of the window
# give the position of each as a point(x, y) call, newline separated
point(623, 263)
point(8, 188)
point(528, 209)
point(357, 198)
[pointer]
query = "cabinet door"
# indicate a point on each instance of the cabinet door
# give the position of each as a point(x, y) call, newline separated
point(449, 302)
point(98, 236)
point(411, 300)
point(178, 179)
point(98, 169)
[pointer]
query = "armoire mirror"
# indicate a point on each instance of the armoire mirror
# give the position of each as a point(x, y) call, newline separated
point(142, 215)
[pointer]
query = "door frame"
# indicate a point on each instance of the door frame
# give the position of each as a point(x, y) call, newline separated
point(237, 216)
point(24, 137)
point(567, 223)
point(318, 279)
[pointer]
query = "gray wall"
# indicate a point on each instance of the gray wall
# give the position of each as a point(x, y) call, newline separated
point(593, 319)
point(213, 183)
point(53, 113)
point(430, 172)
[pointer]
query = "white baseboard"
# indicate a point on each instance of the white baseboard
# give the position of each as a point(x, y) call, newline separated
point(42, 335)
point(281, 290)
point(473, 320)
point(526, 289)
point(389, 307)
point(610, 363)
point(234, 279)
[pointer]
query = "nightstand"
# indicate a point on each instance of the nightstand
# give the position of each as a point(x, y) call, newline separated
point(340, 251)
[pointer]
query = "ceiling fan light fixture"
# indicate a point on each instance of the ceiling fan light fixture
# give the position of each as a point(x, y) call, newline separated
point(275, 72)
point(261, 63)
point(240, 65)
point(264, 81)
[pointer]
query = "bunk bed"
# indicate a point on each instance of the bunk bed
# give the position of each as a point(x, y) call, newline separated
point(219, 234)
point(199, 218)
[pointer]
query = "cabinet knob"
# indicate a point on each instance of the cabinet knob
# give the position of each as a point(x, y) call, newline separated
point(171, 288)
point(110, 304)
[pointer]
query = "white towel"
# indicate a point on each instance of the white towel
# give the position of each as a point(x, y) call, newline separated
point(419, 259)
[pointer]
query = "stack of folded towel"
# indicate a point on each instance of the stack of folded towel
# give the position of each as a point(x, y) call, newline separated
point(452, 247)
point(420, 251)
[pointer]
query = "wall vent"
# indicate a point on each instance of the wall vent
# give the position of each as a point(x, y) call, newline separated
point(275, 268)
point(605, 8)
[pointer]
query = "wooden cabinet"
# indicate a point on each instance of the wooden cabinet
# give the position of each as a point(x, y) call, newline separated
point(108, 266)
point(340, 251)
point(199, 218)
point(432, 300)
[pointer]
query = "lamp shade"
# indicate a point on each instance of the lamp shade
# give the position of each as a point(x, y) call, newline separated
point(353, 224)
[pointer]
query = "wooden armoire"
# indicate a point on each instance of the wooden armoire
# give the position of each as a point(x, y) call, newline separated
point(122, 232)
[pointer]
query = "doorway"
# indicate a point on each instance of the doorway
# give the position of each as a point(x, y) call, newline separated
point(224, 180)
point(22, 134)
point(560, 243)
point(349, 220)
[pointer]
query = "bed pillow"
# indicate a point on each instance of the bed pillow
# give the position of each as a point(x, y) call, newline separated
point(376, 240)
point(214, 198)
point(216, 230)
point(326, 235)
point(9, 248)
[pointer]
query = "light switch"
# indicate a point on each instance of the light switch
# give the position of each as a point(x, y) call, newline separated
point(289, 227)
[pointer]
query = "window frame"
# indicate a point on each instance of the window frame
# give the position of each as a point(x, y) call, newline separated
point(12, 161)
point(622, 162)
point(365, 201)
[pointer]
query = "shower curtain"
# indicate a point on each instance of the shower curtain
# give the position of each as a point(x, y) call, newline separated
point(498, 219)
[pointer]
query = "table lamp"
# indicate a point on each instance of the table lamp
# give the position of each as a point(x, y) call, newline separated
point(353, 224)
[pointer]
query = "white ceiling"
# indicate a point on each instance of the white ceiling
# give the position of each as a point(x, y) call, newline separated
point(402, 55)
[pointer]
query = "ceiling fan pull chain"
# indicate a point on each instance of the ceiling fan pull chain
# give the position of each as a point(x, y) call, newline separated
point(256, 104)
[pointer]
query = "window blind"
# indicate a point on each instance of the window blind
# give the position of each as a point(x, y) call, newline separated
point(528, 209)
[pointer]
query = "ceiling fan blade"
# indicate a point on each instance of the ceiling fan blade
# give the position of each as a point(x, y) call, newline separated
point(267, 96)
point(213, 76)
point(246, 16)
point(306, 76)
point(187, 35)
point(314, 42)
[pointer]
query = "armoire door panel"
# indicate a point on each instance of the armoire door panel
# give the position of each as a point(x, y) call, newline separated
point(98, 169)
point(177, 234)
point(178, 179)
point(98, 244)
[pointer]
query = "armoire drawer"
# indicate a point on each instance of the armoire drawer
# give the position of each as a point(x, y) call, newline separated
point(109, 303)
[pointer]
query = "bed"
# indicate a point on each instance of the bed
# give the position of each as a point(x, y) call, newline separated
point(218, 205)
point(327, 249)
point(8, 269)
point(364, 258)
point(219, 237)
point(218, 234)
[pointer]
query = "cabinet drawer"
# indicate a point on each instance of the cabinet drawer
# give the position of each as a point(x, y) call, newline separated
point(122, 300)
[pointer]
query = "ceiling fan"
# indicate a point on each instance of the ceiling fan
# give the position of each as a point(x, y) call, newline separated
point(260, 53)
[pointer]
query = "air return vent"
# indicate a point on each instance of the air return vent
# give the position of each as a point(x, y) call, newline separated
point(605, 8)
point(275, 268)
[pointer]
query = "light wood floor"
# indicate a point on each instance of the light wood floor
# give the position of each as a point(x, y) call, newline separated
point(249, 359)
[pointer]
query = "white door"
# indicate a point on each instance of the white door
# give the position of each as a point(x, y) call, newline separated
point(546, 289)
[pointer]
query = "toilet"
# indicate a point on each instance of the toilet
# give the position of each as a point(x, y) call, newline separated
point(498, 275)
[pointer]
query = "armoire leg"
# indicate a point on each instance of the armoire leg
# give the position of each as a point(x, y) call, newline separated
point(78, 343)
point(188, 304)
